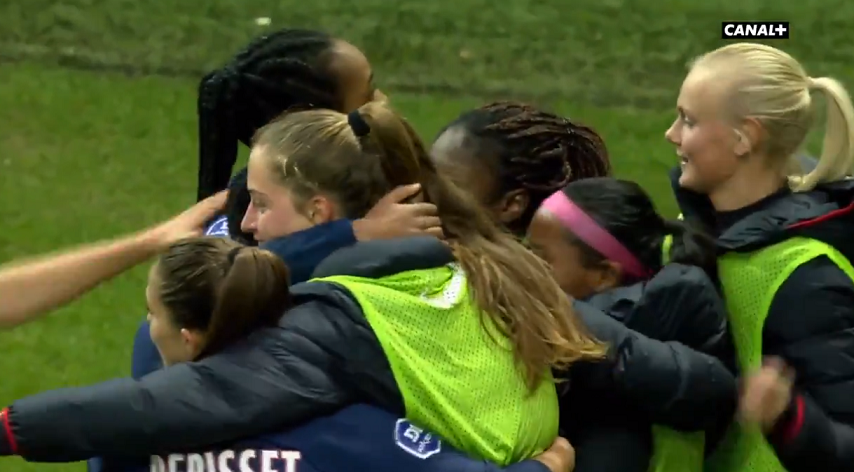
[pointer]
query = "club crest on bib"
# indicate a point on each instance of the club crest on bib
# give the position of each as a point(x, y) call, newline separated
point(416, 441)
point(218, 228)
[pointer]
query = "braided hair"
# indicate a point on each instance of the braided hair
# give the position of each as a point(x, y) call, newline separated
point(533, 150)
point(273, 73)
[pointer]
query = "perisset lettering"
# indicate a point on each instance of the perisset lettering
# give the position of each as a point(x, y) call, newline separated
point(248, 460)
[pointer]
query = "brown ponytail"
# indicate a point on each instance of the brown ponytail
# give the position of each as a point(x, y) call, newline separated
point(254, 293)
point(394, 143)
point(222, 289)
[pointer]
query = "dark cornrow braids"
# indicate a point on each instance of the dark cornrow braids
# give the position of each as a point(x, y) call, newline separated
point(283, 70)
point(550, 150)
point(535, 150)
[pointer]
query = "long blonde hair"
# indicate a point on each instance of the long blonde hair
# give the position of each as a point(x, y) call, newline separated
point(773, 88)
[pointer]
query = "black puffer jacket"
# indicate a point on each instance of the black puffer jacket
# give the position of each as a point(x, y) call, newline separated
point(322, 356)
point(680, 303)
point(810, 321)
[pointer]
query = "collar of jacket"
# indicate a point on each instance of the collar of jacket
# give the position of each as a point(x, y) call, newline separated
point(825, 214)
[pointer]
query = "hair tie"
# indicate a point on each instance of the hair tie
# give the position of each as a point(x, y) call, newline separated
point(812, 84)
point(585, 228)
point(232, 254)
point(358, 124)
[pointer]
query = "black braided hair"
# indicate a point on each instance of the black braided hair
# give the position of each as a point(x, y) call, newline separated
point(532, 149)
point(282, 70)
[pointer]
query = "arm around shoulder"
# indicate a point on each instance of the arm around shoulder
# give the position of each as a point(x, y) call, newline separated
point(276, 378)
point(672, 384)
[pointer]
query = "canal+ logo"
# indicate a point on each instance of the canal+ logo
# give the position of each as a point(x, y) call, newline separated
point(755, 30)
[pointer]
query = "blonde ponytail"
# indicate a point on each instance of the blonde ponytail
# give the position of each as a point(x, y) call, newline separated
point(837, 154)
point(772, 87)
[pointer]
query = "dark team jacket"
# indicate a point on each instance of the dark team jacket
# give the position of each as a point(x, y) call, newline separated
point(810, 323)
point(353, 439)
point(322, 356)
point(359, 438)
point(680, 303)
point(302, 251)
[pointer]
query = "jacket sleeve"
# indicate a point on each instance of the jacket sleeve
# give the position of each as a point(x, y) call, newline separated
point(524, 466)
point(454, 461)
point(810, 325)
point(276, 378)
point(594, 449)
point(681, 303)
point(670, 383)
point(597, 424)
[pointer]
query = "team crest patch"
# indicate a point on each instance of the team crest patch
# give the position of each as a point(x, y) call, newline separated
point(218, 228)
point(416, 441)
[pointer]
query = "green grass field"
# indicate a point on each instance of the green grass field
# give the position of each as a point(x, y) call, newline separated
point(89, 154)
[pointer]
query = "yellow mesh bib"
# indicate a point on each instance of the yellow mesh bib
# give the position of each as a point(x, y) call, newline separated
point(455, 380)
point(675, 451)
point(750, 282)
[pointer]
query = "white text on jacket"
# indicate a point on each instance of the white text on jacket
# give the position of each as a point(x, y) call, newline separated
point(247, 460)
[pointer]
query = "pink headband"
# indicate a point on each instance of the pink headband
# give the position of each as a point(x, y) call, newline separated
point(587, 230)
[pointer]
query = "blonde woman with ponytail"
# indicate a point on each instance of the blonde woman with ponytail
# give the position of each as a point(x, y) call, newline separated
point(785, 245)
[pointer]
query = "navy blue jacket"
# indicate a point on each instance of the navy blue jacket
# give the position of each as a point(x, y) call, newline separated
point(302, 251)
point(359, 438)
